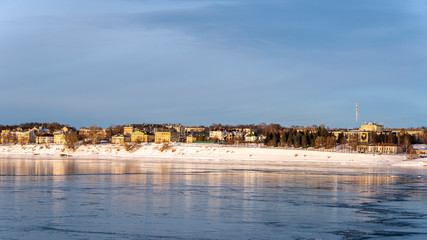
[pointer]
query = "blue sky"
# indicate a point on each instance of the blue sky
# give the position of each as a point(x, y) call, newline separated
point(296, 62)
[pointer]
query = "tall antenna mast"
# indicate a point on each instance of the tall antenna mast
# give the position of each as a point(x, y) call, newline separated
point(357, 112)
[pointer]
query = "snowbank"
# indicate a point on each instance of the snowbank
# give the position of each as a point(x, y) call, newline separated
point(214, 153)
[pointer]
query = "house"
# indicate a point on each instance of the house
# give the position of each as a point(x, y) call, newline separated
point(190, 138)
point(39, 130)
point(220, 135)
point(127, 131)
point(251, 137)
point(45, 138)
point(103, 133)
point(59, 137)
point(84, 131)
point(166, 136)
point(7, 136)
point(229, 136)
point(118, 139)
point(180, 129)
point(19, 136)
point(139, 136)
point(25, 137)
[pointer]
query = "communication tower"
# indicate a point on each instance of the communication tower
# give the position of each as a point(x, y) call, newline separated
point(357, 112)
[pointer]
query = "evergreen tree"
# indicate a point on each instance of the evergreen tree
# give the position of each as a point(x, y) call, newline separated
point(304, 141)
point(274, 140)
point(267, 139)
point(289, 142)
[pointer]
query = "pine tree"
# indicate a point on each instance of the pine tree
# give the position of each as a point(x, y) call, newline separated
point(304, 142)
point(289, 142)
point(274, 140)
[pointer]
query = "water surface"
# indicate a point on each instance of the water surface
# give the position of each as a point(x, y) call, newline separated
point(66, 198)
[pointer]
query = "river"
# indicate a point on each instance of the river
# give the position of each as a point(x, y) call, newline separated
point(77, 198)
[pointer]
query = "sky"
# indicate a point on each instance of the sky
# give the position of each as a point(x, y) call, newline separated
point(292, 62)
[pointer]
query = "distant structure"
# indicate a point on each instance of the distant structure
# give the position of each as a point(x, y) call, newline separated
point(372, 127)
point(357, 113)
point(127, 131)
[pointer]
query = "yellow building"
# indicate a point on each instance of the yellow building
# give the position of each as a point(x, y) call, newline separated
point(127, 131)
point(380, 148)
point(180, 129)
point(371, 127)
point(44, 138)
point(364, 137)
point(139, 136)
point(229, 136)
point(220, 135)
point(190, 139)
point(118, 139)
point(26, 137)
point(166, 136)
point(59, 137)
point(7, 136)
point(364, 134)
point(415, 132)
point(84, 131)
point(411, 132)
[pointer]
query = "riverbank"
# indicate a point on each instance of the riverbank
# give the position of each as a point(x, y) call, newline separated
point(211, 152)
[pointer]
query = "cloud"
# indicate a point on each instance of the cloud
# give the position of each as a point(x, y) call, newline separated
point(198, 62)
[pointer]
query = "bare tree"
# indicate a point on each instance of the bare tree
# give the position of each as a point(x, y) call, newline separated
point(424, 137)
point(273, 128)
point(71, 140)
point(353, 141)
point(411, 153)
point(406, 142)
point(319, 142)
point(261, 128)
point(54, 126)
point(331, 142)
point(94, 134)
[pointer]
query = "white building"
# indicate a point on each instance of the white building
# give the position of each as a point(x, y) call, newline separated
point(220, 135)
point(250, 137)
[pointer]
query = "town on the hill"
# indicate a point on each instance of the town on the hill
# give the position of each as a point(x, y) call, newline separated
point(369, 138)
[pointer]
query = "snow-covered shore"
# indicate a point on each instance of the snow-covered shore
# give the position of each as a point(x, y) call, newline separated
point(213, 153)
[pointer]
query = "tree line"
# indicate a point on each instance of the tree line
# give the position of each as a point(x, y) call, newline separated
point(320, 138)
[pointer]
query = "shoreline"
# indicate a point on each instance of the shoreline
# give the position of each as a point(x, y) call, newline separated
point(215, 153)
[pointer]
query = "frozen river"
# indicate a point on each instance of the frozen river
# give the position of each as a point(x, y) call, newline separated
point(65, 198)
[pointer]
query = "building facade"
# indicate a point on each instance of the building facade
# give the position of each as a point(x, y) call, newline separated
point(166, 136)
point(220, 135)
point(127, 131)
point(20, 136)
point(59, 137)
point(139, 136)
point(380, 148)
point(45, 138)
point(119, 139)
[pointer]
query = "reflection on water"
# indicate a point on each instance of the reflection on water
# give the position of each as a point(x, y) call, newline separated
point(143, 199)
